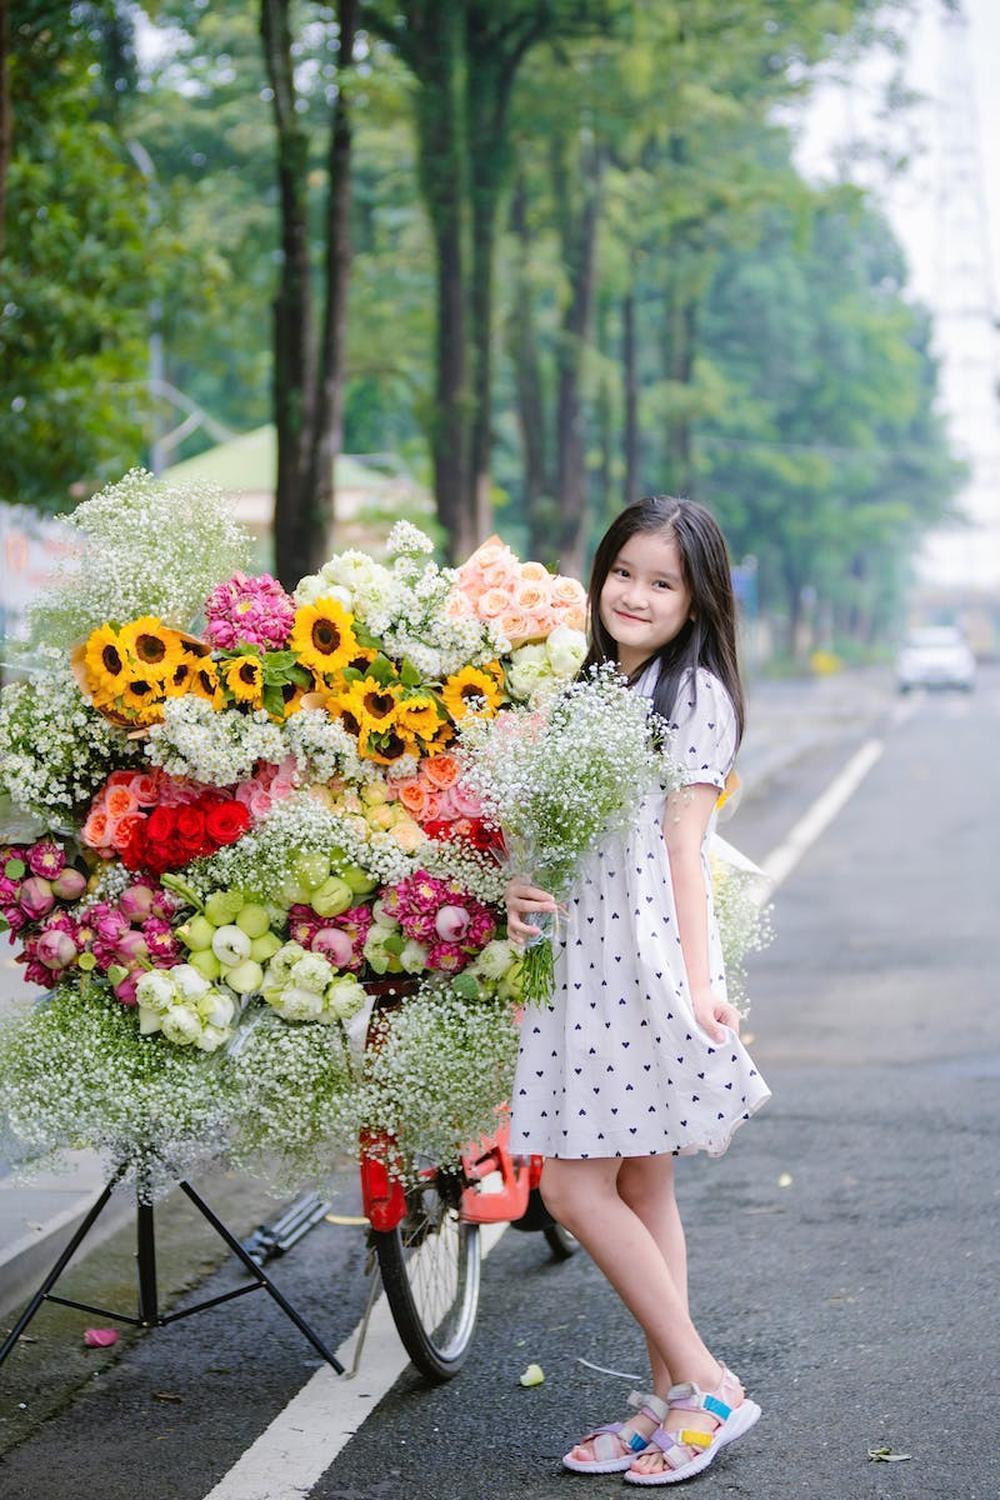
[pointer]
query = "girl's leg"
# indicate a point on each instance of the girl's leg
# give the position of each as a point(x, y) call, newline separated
point(584, 1196)
point(646, 1184)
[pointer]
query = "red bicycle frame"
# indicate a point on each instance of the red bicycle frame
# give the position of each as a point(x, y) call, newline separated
point(385, 1201)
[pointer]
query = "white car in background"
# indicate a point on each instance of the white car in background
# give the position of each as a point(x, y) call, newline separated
point(936, 656)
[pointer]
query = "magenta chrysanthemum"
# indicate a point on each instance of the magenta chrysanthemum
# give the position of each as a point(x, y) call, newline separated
point(256, 611)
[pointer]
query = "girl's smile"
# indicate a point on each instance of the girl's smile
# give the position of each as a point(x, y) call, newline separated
point(645, 600)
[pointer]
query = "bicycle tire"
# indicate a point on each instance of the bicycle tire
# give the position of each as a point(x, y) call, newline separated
point(430, 1267)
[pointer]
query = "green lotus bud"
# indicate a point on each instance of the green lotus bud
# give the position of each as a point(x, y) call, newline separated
point(292, 892)
point(223, 906)
point(359, 880)
point(196, 934)
point(206, 963)
point(312, 870)
point(245, 978)
point(332, 897)
point(265, 947)
point(253, 920)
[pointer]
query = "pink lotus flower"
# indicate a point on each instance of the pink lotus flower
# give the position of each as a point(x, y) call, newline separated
point(36, 897)
point(46, 858)
point(56, 950)
point(131, 946)
point(451, 923)
point(136, 902)
point(335, 946)
point(254, 610)
point(126, 988)
point(69, 884)
point(449, 958)
point(160, 941)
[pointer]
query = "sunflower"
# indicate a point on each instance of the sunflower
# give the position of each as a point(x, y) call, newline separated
point(339, 708)
point(382, 746)
point(322, 637)
point(417, 717)
point(205, 684)
point(291, 697)
point(442, 738)
point(179, 682)
point(244, 678)
point(106, 666)
point(143, 700)
point(373, 704)
point(461, 691)
point(194, 648)
point(155, 648)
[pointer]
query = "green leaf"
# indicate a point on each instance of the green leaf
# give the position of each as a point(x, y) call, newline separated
point(408, 674)
point(886, 1456)
point(382, 670)
point(299, 676)
point(395, 943)
point(273, 699)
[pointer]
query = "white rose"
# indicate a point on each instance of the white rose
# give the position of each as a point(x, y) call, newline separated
point(181, 1026)
point(155, 991)
point(281, 963)
point(526, 654)
point(212, 1038)
point(345, 997)
point(524, 681)
point(188, 983)
point(216, 1009)
point(311, 972)
point(299, 1005)
point(566, 649)
point(495, 959)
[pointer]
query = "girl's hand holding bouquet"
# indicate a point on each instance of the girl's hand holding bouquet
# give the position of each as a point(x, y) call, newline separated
point(522, 898)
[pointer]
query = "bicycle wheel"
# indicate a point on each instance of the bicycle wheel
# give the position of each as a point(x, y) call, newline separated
point(430, 1271)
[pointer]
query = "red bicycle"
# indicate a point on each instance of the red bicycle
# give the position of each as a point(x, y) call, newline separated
point(426, 1236)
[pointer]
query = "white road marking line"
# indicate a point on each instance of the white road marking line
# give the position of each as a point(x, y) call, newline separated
point(780, 863)
point(295, 1451)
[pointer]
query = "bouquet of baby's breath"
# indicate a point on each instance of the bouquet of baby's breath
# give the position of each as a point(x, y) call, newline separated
point(561, 777)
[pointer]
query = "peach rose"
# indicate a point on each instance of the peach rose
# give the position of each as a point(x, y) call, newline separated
point(568, 591)
point(535, 572)
point(432, 806)
point(120, 800)
point(489, 552)
point(502, 575)
point(413, 795)
point(442, 771)
point(575, 618)
point(121, 830)
point(541, 624)
point(494, 602)
point(95, 830)
point(515, 626)
point(531, 596)
point(461, 604)
point(146, 788)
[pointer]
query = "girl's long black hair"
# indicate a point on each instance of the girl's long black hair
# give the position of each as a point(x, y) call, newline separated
point(708, 639)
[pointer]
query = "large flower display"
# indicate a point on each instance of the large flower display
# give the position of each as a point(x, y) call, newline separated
point(226, 814)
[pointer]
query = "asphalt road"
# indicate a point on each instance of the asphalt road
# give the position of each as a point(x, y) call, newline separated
point(858, 1302)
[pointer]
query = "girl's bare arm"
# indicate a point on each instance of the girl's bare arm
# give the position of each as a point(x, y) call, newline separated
point(684, 825)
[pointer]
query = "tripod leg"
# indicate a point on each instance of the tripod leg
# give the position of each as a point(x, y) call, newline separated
point(57, 1269)
point(149, 1311)
point(261, 1278)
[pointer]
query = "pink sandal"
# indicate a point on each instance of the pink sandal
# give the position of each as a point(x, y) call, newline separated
point(689, 1451)
point(614, 1453)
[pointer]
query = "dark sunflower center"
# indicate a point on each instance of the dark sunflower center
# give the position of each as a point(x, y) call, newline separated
point(206, 683)
point(379, 705)
point(472, 690)
point(150, 649)
point(325, 637)
point(194, 648)
point(181, 675)
point(248, 673)
point(111, 660)
point(393, 747)
point(140, 689)
point(349, 722)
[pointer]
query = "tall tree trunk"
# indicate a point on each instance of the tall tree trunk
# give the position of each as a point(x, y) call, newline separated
point(6, 116)
point(682, 333)
point(630, 384)
point(579, 236)
point(529, 391)
point(605, 413)
point(329, 425)
point(293, 339)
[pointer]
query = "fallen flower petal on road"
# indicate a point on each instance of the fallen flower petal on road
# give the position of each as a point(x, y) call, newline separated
point(100, 1338)
point(533, 1375)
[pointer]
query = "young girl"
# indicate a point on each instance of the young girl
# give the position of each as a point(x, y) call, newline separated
point(637, 1059)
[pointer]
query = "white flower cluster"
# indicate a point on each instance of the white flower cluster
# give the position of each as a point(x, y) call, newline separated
point(182, 1004)
point(536, 670)
point(559, 777)
point(303, 986)
point(75, 1072)
point(55, 749)
point(218, 748)
point(406, 607)
point(323, 749)
point(150, 549)
point(439, 1073)
point(265, 858)
point(472, 869)
point(745, 926)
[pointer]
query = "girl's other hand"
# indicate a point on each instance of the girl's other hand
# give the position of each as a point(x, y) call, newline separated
point(712, 1014)
point(521, 898)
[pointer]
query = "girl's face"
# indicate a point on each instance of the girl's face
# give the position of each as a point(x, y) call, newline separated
point(645, 600)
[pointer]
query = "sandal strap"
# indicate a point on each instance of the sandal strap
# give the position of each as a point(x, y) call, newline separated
point(634, 1443)
point(673, 1444)
point(689, 1397)
point(651, 1406)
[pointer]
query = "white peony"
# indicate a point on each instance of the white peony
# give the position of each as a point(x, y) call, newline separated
point(294, 1004)
point(495, 959)
point(566, 649)
point(526, 680)
point(414, 957)
point(188, 983)
point(155, 991)
point(345, 997)
point(216, 1009)
point(181, 1026)
point(312, 972)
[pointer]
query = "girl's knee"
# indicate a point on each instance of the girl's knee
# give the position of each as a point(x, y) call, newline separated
point(566, 1190)
point(647, 1180)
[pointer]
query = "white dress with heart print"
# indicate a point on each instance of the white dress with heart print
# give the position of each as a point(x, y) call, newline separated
point(616, 1064)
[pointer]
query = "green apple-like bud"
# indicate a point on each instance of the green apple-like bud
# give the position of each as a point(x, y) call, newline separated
point(208, 966)
point(265, 947)
point(360, 882)
point(312, 870)
point(333, 897)
point(245, 978)
point(222, 907)
point(196, 934)
point(253, 920)
point(292, 892)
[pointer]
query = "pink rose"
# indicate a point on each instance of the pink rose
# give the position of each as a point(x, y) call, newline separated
point(568, 591)
point(260, 804)
point(532, 597)
point(515, 626)
point(541, 624)
point(494, 602)
point(465, 802)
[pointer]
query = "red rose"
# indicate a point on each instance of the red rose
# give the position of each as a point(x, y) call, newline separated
point(160, 825)
point(190, 830)
point(226, 822)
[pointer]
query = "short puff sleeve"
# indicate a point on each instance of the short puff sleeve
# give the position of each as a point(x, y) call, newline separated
point(703, 725)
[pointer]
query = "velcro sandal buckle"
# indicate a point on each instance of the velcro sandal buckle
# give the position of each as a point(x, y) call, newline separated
point(717, 1408)
point(695, 1439)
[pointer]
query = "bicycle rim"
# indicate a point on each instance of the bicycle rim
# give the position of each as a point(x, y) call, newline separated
point(430, 1271)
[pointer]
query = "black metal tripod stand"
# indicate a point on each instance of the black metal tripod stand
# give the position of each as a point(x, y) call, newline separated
point(148, 1312)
